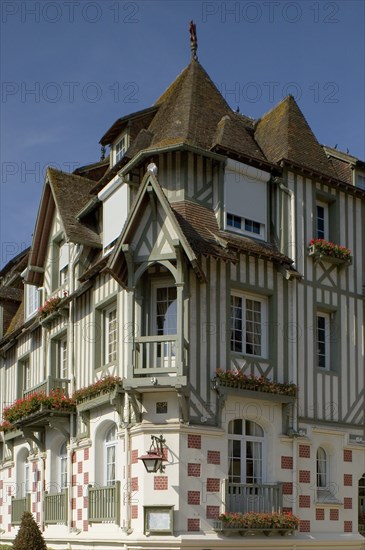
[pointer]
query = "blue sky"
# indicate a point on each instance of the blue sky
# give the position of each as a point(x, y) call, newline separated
point(70, 68)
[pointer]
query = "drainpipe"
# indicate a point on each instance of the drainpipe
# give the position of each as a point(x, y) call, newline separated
point(127, 505)
point(42, 480)
point(294, 362)
point(292, 220)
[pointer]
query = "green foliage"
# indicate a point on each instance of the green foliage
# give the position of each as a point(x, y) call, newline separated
point(29, 536)
point(5, 547)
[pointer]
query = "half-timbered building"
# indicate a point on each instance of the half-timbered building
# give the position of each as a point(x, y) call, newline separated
point(196, 299)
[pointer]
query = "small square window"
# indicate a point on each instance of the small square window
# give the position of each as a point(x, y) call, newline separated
point(120, 149)
point(234, 221)
point(252, 226)
point(161, 407)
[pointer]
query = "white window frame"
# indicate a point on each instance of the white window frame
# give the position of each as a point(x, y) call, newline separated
point(264, 315)
point(32, 300)
point(26, 373)
point(324, 330)
point(242, 227)
point(120, 148)
point(62, 358)
point(244, 459)
point(110, 357)
point(360, 181)
point(63, 467)
point(166, 350)
point(324, 205)
point(323, 460)
point(109, 444)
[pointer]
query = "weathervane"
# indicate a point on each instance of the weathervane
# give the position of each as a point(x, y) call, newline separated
point(193, 40)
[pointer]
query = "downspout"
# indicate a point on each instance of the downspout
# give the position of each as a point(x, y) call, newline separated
point(292, 221)
point(127, 481)
point(43, 483)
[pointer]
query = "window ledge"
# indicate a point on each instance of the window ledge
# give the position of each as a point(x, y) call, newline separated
point(326, 498)
point(321, 257)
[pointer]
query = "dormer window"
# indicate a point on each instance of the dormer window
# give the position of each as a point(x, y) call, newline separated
point(121, 147)
point(31, 300)
point(245, 198)
point(360, 181)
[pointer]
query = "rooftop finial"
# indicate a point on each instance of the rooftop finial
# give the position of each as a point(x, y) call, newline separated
point(193, 40)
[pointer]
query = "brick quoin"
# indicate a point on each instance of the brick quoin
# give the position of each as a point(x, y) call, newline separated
point(9, 472)
point(347, 455)
point(304, 476)
point(73, 481)
point(79, 490)
point(160, 483)
point(73, 504)
point(1, 484)
point(9, 527)
point(194, 442)
point(86, 454)
point(347, 480)
point(304, 501)
point(347, 503)
point(304, 451)
point(134, 511)
point(134, 483)
point(194, 469)
point(134, 456)
point(213, 485)
point(287, 488)
point(193, 524)
point(79, 514)
point(286, 462)
point(38, 516)
point(193, 497)
point(334, 514)
point(305, 526)
point(79, 467)
point(347, 526)
point(34, 507)
point(213, 457)
point(86, 478)
point(319, 514)
point(74, 457)
point(213, 512)
point(86, 502)
point(85, 525)
point(34, 467)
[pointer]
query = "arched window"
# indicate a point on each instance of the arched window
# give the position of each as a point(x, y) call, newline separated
point(245, 452)
point(63, 467)
point(110, 455)
point(322, 468)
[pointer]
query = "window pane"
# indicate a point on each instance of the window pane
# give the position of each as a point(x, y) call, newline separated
point(320, 222)
point(236, 323)
point(253, 327)
point(111, 336)
point(166, 310)
point(321, 468)
point(321, 342)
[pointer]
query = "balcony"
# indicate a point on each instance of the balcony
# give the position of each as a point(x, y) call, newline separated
point(155, 355)
point(48, 385)
point(18, 507)
point(262, 498)
point(55, 508)
point(104, 504)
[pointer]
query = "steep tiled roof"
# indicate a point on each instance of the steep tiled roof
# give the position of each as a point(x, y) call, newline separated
point(343, 170)
point(17, 321)
point(284, 134)
point(235, 134)
point(201, 229)
point(12, 294)
point(93, 171)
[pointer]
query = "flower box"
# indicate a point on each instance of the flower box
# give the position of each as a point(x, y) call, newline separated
point(35, 403)
point(100, 393)
point(253, 523)
point(319, 249)
point(241, 381)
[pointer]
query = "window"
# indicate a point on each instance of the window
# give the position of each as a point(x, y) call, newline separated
point(245, 225)
point(360, 181)
point(323, 337)
point(110, 455)
point(115, 199)
point(322, 220)
point(248, 325)
point(245, 452)
point(26, 375)
point(120, 149)
point(63, 467)
point(62, 368)
point(165, 319)
point(60, 261)
point(31, 300)
point(322, 468)
point(110, 334)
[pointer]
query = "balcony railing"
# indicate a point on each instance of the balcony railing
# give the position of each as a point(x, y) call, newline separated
point(262, 498)
point(18, 507)
point(104, 503)
point(48, 385)
point(155, 355)
point(55, 508)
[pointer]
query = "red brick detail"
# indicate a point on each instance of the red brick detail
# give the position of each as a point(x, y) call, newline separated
point(34, 467)
point(134, 483)
point(213, 512)
point(34, 486)
point(73, 523)
point(9, 527)
point(34, 507)
point(9, 472)
point(9, 509)
point(1, 484)
point(86, 502)
point(86, 478)
point(79, 514)
point(213, 485)
point(347, 480)
point(334, 514)
point(74, 457)
point(347, 503)
point(304, 501)
point(194, 442)
point(347, 526)
point(38, 496)
point(304, 451)
point(193, 497)
point(165, 453)
point(38, 475)
point(79, 490)
point(73, 481)
point(213, 457)
point(194, 469)
point(319, 514)
point(79, 467)
point(287, 462)
point(1, 503)
point(287, 488)
point(134, 456)
point(347, 455)
point(73, 504)
point(304, 476)
point(85, 525)
point(193, 524)
point(134, 511)
point(1, 519)
point(38, 516)
point(160, 483)
point(305, 526)
point(10, 490)
point(287, 510)
point(86, 454)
